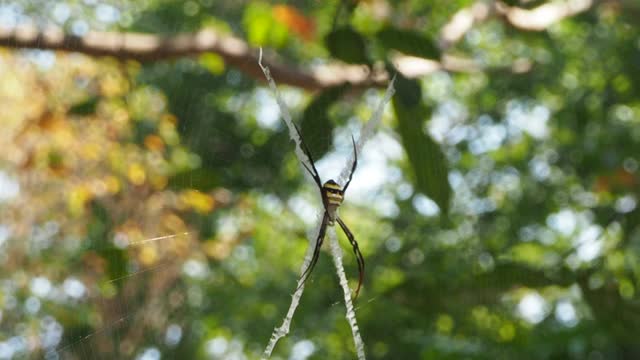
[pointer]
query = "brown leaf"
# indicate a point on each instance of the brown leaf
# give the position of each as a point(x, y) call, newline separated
point(295, 21)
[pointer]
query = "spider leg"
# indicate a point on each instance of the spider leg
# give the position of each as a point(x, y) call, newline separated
point(356, 251)
point(316, 250)
point(313, 171)
point(355, 164)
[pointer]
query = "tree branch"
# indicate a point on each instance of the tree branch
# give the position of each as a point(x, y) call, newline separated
point(464, 20)
point(543, 16)
point(536, 19)
point(147, 47)
point(237, 53)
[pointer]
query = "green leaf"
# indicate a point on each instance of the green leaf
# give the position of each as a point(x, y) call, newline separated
point(316, 122)
point(262, 29)
point(426, 157)
point(347, 45)
point(86, 107)
point(408, 42)
point(117, 261)
point(212, 62)
point(407, 91)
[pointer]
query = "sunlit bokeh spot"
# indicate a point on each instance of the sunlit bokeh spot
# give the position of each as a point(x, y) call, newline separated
point(566, 313)
point(74, 288)
point(173, 335)
point(40, 286)
point(302, 350)
point(533, 308)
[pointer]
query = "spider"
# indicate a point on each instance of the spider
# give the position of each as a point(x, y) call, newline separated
point(332, 196)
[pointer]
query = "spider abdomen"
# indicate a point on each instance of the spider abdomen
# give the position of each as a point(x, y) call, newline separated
point(332, 197)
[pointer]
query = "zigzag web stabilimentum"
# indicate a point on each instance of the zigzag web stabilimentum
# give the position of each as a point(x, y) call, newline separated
point(366, 133)
point(120, 307)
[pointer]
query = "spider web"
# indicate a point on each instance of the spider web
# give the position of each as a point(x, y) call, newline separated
point(368, 130)
point(127, 312)
point(125, 317)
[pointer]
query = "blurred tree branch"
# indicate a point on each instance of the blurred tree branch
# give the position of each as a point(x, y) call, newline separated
point(237, 53)
point(536, 19)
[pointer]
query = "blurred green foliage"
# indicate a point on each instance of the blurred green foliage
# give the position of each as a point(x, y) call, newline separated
point(158, 209)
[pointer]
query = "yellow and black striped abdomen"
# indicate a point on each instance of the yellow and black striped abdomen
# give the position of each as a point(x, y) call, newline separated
point(333, 193)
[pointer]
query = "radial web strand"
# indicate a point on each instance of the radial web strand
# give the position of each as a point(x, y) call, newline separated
point(283, 330)
point(367, 132)
point(336, 254)
point(286, 115)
